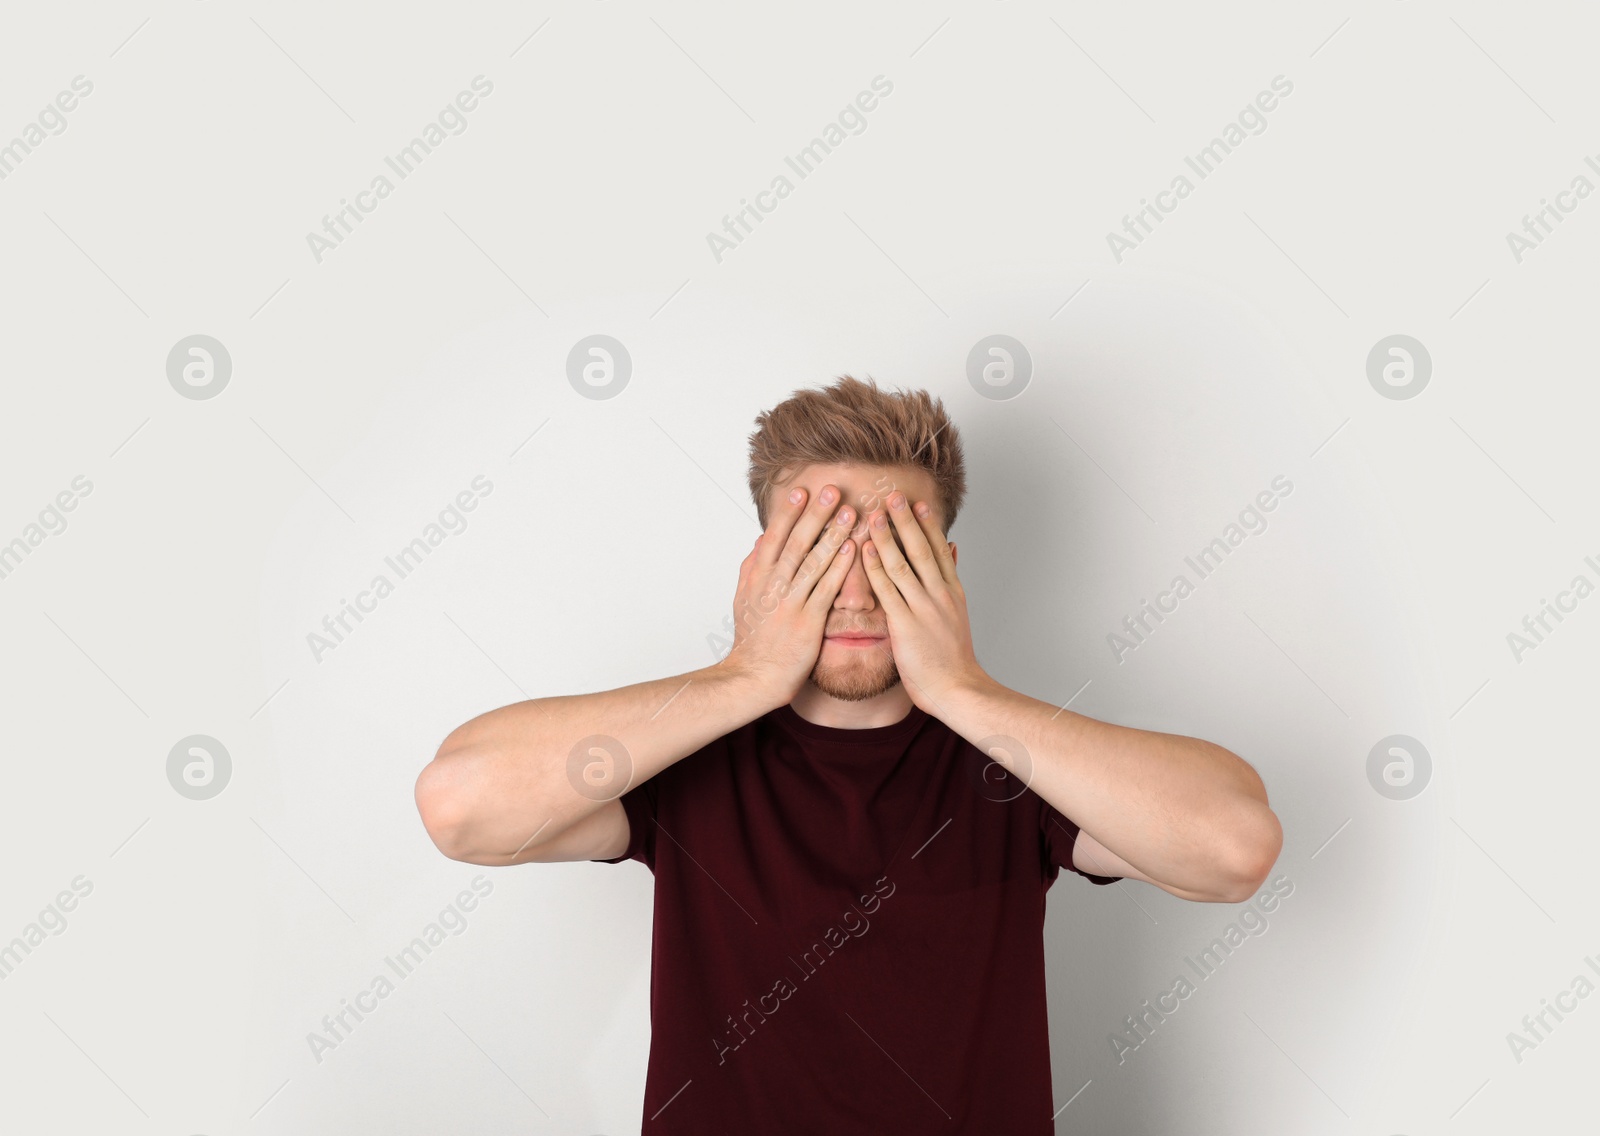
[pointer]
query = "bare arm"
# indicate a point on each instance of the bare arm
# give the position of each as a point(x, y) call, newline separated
point(1089, 855)
point(1178, 812)
point(506, 787)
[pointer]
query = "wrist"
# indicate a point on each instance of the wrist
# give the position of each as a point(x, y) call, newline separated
point(748, 686)
point(972, 697)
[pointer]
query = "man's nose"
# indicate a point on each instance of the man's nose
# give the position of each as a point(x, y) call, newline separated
point(856, 593)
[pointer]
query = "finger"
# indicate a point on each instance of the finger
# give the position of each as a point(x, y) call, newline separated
point(915, 542)
point(893, 562)
point(937, 541)
point(822, 555)
point(894, 604)
point(803, 536)
point(827, 589)
point(770, 543)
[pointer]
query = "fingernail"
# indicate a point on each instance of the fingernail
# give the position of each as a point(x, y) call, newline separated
point(843, 518)
point(880, 521)
point(796, 496)
point(898, 501)
point(922, 509)
point(828, 495)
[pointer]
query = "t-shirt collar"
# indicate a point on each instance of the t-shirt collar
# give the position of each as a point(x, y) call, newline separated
point(899, 731)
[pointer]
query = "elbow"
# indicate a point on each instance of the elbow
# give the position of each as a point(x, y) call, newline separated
point(441, 804)
point(1255, 852)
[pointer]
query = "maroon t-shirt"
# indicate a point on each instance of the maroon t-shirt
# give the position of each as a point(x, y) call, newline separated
point(849, 934)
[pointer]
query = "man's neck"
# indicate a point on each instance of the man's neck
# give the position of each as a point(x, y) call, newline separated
point(823, 709)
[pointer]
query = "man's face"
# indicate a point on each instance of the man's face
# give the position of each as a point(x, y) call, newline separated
point(856, 662)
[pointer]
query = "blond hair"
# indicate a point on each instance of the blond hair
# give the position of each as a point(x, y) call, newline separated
point(854, 423)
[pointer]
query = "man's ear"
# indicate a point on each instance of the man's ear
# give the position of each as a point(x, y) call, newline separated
point(954, 559)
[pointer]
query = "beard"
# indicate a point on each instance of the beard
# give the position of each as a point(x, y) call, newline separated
point(865, 674)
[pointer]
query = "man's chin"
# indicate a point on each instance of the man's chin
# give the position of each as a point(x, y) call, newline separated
point(854, 683)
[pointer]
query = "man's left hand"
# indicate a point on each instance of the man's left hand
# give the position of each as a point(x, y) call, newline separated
point(923, 600)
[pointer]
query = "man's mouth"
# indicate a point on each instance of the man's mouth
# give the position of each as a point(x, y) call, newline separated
point(857, 638)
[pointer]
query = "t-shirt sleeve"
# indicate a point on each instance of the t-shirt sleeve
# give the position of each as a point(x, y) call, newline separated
point(639, 803)
point(1060, 834)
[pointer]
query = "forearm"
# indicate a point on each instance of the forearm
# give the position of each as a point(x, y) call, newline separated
point(506, 780)
point(1183, 811)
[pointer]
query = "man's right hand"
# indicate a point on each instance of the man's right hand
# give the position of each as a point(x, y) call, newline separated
point(787, 585)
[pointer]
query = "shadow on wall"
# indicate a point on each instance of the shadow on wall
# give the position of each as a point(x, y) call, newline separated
point(1180, 536)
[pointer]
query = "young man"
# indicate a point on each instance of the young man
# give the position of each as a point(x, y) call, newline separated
point(851, 825)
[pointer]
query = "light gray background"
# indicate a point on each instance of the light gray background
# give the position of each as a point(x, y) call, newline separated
point(368, 389)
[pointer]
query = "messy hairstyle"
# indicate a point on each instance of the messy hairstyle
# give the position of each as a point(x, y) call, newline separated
point(854, 423)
